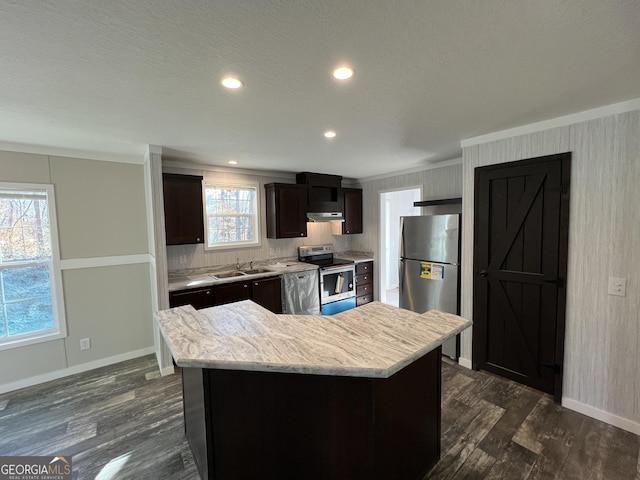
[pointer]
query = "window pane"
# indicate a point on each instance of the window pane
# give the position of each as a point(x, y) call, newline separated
point(230, 229)
point(26, 282)
point(30, 316)
point(230, 200)
point(24, 227)
point(27, 298)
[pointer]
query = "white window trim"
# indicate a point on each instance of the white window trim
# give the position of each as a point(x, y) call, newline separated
point(57, 293)
point(231, 245)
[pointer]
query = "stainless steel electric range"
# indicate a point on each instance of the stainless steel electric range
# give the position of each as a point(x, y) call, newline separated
point(337, 278)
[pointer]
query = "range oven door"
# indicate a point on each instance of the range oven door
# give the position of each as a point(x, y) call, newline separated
point(337, 283)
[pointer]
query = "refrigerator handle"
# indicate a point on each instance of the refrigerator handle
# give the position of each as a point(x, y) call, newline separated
point(400, 280)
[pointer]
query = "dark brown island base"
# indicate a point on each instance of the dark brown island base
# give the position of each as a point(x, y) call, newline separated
point(352, 396)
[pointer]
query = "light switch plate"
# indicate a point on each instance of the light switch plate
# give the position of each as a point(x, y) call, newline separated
point(617, 286)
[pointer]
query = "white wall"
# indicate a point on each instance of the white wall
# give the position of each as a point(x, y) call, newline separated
point(602, 342)
point(197, 257)
point(105, 261)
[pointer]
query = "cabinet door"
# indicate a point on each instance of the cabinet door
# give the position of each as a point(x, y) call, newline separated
point(232, 292)
point(286, 210)
point(183, 211)
point(352, 211)
point(198, 298)
point(268, 293)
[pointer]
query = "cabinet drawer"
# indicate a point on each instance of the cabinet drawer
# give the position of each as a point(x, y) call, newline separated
point(198, 298)
point(364, 267)
point(363, 299)
point(364, 279)
point(363, 290)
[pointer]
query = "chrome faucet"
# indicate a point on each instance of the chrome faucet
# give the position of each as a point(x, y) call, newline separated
point(237, 264)
point(251, 265)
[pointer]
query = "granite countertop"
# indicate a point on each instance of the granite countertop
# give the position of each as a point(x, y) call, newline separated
point(356, 257)
point(206, 277)
point(374, 340)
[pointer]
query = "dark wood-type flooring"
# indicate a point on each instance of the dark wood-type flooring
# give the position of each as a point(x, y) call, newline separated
point(125, 422)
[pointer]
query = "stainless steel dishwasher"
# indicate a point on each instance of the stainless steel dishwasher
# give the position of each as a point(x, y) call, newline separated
point(301, 293)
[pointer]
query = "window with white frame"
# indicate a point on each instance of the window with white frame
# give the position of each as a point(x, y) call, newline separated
point(231, 215)
point(31, 306)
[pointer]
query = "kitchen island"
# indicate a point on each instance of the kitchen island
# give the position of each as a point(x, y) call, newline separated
point(351, 396)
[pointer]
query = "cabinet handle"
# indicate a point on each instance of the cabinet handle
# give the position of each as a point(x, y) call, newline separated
point(208, 292)
point(255, 284)
point(198, 239)
point(301, 234)
point(246, 286)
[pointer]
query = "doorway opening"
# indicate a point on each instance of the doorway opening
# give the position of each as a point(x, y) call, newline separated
point(393, 205)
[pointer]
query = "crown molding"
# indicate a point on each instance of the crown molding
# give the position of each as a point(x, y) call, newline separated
point(605, 111)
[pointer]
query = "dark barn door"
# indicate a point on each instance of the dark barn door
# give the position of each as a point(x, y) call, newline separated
point(520, 263)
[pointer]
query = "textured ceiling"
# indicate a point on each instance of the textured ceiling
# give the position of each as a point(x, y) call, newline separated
point(115, 75)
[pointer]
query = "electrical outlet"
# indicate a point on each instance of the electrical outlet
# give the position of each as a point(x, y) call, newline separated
point(85, 343)
point(183, 259)
point(617, 286)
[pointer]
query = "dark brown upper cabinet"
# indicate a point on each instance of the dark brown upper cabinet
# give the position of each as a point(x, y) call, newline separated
point(352, 213)
point(324, 192)
point(286, 210)
point(183, 210)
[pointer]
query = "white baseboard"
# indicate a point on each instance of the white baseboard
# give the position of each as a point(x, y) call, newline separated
point(465, 362)
point(65, 372)
point(610, 418)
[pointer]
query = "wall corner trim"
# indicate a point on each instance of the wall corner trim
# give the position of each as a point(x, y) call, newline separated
point(465, 362)
point(154, 149)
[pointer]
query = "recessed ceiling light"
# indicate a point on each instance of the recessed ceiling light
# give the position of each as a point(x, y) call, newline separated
point(231, 82)
point(233, 162)
point(329, 134)
point(343, 73)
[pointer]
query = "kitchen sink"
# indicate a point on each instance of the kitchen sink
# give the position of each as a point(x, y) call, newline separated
point(228, 274)
point(253, 271)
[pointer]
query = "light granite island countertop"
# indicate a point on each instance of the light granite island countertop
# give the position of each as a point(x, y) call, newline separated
point(351, 396)
point(374, 340)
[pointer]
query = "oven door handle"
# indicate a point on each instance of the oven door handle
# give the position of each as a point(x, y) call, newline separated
point(338, 269)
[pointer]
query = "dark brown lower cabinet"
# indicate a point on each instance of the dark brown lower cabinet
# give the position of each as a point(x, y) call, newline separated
point(268, 293)
point(248, 424)
point(198, 297)
point(364, 283)
point(264, 291)
point(232, 292)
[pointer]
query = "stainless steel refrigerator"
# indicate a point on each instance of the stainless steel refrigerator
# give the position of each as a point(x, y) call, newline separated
point(430, 267)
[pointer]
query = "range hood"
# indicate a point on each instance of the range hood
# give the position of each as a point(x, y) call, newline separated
point(325, 217)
